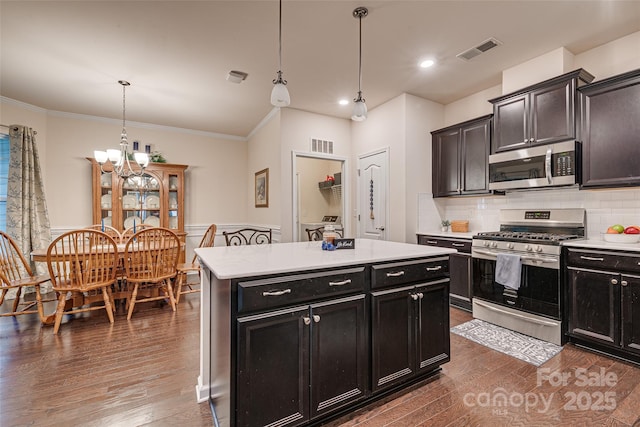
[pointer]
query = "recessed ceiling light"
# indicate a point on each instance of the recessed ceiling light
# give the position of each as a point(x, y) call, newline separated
point(427, 63)
point(343, 102)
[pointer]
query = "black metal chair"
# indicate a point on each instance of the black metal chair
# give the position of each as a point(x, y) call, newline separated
point(315, 234)
point(247, 236)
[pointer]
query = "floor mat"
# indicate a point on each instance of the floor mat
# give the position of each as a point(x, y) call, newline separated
point(523, 347)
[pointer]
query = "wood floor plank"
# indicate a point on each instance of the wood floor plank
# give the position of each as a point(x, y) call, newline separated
point(143, 372)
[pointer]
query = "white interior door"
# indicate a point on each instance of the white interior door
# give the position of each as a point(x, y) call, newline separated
point(373, 185)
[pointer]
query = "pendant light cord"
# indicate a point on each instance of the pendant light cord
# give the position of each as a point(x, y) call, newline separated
point(280, 38)
point(360, 59)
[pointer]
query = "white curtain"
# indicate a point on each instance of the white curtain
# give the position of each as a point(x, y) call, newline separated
point(27, 215)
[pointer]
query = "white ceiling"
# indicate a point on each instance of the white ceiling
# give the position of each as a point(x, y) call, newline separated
point(68, 56)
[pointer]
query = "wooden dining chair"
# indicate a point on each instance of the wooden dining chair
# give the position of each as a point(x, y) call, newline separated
point(83, 265)
point(16, 273)
point(150, 261)
point(111, 231)
point(126, 234)
point(315, 234)
point(247, 236)
point(184, 269)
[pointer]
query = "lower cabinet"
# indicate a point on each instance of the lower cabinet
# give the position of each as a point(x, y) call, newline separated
point(410, 331)
point(298, 363)
point(604, 300)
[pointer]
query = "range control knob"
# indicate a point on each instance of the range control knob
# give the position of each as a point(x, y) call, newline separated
point(494, 244)
point(485, 244)
point(538, 248)
point(528, 247)
point(510, 245)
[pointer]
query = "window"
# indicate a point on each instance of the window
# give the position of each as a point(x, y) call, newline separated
point(4, 176)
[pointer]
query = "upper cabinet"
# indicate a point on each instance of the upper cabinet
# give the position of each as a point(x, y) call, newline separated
point(460, 157)
point(156, 198)
point(544, 113)
point(610, 131)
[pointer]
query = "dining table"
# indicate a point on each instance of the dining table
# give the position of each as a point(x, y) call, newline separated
point(119, 293)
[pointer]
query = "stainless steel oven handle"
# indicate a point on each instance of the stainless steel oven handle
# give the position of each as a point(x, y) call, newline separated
point(526, 258)
point(547, 166)
point(520, 316)
point(590, 258)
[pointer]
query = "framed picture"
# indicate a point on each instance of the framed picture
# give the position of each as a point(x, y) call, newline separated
point(262, 188)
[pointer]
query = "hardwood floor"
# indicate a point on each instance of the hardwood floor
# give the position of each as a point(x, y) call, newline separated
point(143, 372)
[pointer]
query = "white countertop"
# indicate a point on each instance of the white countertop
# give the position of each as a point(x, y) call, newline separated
point(451, 234)
point(601, 244)
point(230, 262)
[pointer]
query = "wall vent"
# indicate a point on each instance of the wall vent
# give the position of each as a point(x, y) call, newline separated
point(321, 146)
point(477, 50)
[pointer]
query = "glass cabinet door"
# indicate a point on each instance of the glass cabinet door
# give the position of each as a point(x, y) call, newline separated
point(174, 219)
point(106, 199)
point(141, 201)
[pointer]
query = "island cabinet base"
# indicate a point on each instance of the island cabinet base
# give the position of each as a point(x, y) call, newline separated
point(297, 348)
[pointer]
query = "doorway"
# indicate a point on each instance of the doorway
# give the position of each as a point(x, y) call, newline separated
point(315, 197)
point(373, 187)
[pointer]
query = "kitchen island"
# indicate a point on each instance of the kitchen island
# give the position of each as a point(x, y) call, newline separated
point(292, 335)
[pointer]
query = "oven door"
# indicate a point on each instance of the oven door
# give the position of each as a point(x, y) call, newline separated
point(539, 291)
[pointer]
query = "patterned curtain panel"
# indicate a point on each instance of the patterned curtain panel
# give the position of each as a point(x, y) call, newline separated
point(27, 215)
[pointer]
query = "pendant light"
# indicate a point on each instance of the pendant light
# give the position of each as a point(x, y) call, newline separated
point(120, 157)
point(359, 107)
point(280, 94)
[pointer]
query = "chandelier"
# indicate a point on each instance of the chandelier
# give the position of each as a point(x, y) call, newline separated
point(280, 94)
point(120, 158)
point(359, 107)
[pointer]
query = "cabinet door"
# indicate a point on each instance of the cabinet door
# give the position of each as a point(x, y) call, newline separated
point(553, 114)
point(595, 305)
point(476, 140)
point(610, 129)
point(631, 313)
point(460, 275)
point(446, 163)
point(339, 357)
point(273, 368)
point(432, 325)
point(510, 123)
point(393, 347)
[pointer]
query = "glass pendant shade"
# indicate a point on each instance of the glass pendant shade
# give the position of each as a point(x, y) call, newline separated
point(359, 111)
point(280, 95)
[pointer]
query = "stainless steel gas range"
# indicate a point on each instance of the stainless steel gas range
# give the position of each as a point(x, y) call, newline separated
point(516, 271)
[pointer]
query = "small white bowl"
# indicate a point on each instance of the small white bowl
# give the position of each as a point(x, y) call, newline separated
point(621, 238)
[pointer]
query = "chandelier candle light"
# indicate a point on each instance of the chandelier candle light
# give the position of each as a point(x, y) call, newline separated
point(120, 157)
point(359, 107)
point(280, 94)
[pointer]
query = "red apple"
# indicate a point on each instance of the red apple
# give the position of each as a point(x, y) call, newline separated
point(631, 230)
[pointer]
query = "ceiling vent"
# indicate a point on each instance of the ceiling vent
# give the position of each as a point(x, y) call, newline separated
point(236, 76)
point(477, 50)
point(321, 146)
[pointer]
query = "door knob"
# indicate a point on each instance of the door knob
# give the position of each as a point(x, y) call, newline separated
point(380, 228)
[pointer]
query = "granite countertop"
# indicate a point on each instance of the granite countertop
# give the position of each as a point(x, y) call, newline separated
point(596, 243)
point(230, 262)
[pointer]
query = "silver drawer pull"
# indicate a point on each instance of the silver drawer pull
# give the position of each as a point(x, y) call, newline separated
point(432, 242)
point(344, 282)
point(590, 258)
point(276, 293)
point(397, 274)
point(316, 318)
point(458, 245)
point(439, 267)
point(306, 320)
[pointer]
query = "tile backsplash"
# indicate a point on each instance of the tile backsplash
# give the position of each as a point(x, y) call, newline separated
point(604, 207)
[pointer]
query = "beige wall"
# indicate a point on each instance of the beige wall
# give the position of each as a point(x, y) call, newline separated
point(313, 202)
point(612, 58)
point(216, 180)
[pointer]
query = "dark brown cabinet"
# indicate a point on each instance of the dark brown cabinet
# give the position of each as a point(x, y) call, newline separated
point(544, 113)
point(604, 299)
point(610, 113)
point(460, 157)
point(409, 331)
point(297, 364)
point(460, 292)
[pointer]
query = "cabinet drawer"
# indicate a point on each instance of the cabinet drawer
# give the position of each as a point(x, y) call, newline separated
point(461, 245)
point(603, 260)
point(398, 273)
point(275, 292)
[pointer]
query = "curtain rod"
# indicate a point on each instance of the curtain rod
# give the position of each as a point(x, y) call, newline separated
point(9, 127)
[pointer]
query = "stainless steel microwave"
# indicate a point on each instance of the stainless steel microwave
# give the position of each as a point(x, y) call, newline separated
point(534, 167)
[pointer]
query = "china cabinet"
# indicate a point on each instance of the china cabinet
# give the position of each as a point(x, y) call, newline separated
point(156, 198)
